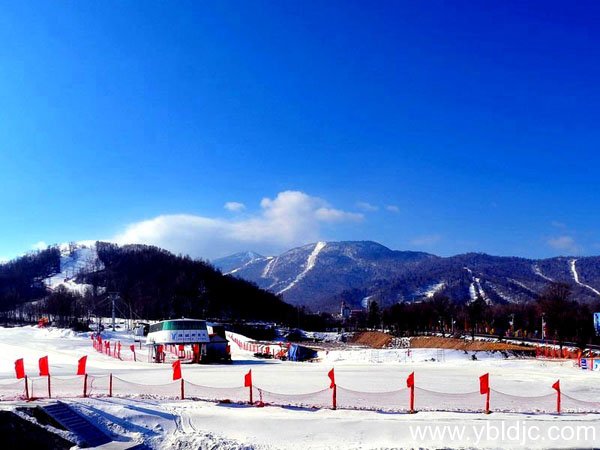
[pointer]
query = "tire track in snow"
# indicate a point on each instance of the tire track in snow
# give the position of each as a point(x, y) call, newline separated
point(576, 278)
point(310, 263)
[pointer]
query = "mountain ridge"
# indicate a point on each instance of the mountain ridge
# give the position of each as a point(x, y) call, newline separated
point(323, 274)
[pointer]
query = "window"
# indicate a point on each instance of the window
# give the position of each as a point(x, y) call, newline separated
point(156, 327)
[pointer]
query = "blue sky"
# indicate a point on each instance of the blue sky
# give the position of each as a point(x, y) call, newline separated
point(445, 127)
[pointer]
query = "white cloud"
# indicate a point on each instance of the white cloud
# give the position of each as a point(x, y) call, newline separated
point(392, 208)
point(41, 245)
point(291, 218)
point(564, 243)
point(365, 206)
point(234, 206)
point(428, 240)
point(337, 215)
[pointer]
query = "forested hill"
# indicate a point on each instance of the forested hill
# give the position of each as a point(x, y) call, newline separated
point(153, 282)
point(21, 280)
point(158, 284)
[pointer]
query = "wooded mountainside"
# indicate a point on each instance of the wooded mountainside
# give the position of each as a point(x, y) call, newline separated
point(152, 283)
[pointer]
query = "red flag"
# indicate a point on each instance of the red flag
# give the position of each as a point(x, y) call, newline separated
point(484, 383)
point(44, 368)
point(81, 365)
point(410, 381)
point(248, 379)
point(20, 368)
point(331, 376)
point(176, 370)
point(556, 386)
point(132, 348)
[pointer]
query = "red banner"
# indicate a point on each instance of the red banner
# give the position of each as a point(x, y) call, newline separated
point(556, 386)
point(81, 365)
point(176, 370)
point(44, 367)
point(20, 368)
point(331, 376)
point(410, 381)
point(484, 383)
point(248, 379)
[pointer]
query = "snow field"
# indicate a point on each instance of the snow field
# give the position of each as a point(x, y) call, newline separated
point(164, 423)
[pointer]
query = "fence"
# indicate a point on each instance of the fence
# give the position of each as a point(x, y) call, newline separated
point(32, 388)
point(276, 350)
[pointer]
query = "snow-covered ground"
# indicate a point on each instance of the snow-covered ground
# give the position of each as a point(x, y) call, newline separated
point(171, 423)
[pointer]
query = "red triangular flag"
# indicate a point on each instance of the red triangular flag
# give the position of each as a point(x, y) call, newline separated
point(20, 368)
point(248, 379)
point(44, 368)
point(81, 365)
point(484, 383)
point(556, 385)
point(176, 370)
point(331, 376)
point(132, 348)
point(410, 381)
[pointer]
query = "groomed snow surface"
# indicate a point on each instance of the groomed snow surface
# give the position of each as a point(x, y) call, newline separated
point(188, 424)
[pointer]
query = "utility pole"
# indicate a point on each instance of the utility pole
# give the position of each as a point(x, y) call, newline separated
point(113, 297)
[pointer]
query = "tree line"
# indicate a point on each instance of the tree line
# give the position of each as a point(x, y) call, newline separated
point(564, 319)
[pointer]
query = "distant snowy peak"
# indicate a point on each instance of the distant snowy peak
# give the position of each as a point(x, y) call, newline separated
point(319, 269)
point(234, 263)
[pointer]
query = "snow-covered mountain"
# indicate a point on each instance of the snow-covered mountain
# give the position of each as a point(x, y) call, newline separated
point(322, 274)
point(313, 274)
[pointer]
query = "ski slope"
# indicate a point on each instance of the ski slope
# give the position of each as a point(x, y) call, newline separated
point(310, 263)
point(576, 277)
point(538, 271)
point(72, 261)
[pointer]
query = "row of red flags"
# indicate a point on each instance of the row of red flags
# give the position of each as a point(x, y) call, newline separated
point(44, 367)
point(484, 383)
point(484, 380)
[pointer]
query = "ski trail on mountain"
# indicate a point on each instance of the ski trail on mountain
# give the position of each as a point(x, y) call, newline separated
point(252, 261)
point(72, 262)
point(576, 278)
point(475, 289)
point(268, 267)
point(310, 263)
point(434, 289)
point(538, 271)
